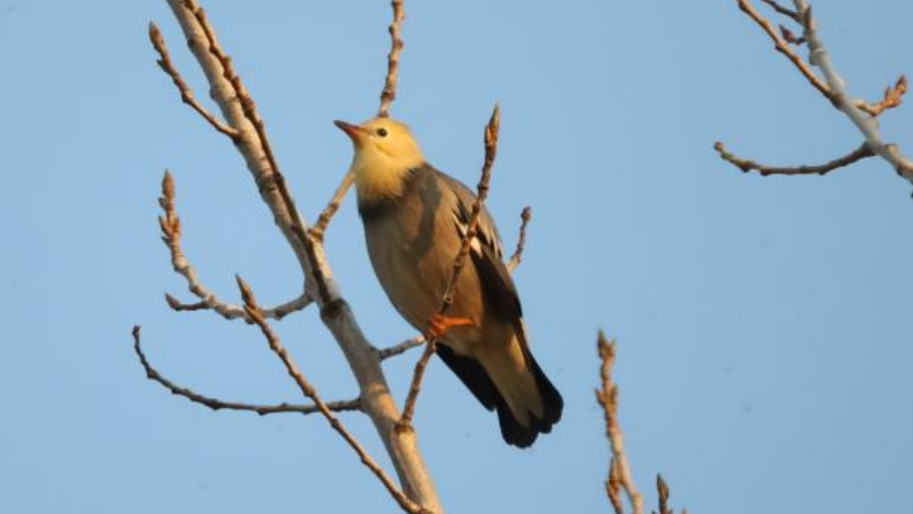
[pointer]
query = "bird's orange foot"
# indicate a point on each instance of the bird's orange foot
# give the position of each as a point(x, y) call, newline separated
point(439, 325)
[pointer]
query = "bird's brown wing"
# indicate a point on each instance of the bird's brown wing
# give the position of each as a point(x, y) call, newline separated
point(498, 287)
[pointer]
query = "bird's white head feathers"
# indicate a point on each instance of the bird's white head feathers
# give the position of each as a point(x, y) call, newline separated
point(385, 151)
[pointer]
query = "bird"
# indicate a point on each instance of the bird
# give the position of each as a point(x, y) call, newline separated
point(415, 218)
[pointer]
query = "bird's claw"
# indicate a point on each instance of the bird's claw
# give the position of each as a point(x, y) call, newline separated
point(438, 325)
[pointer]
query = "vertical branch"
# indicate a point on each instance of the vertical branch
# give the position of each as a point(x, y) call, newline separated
point(396, 46)
point(240, 114)
point(619, 470)
point(491, 150)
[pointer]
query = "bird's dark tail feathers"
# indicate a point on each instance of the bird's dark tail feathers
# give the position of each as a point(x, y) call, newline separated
point(518, 429)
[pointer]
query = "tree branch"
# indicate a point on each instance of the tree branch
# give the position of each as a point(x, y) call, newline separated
point(253, 310)
point(396, 47)
point(517, 257)
point(619, 471)
point(491, 150)
point(239, 112)
point(326, 215)
point(867, 124)
point(401, 348)
point(833, 87)
point(747, 165)
point(217, 404)
point(170, 224)
point(187, 95)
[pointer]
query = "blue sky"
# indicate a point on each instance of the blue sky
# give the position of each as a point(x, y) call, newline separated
point(763, 323)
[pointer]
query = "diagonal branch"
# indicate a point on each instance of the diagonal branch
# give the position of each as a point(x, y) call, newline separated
point(491, 150)
point(216, 404)
point(237, 107)
point(863, 114)
point(619, 471)
point(170, 224)
point(866, 123)
point(747, 165)
point(253, 310)
point(783, 47)
point(187, 95)
point(320, 228)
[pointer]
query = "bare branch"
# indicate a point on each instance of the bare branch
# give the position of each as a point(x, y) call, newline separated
point(491, 150)
point(187, 95)
point(237, 107)
point(783, 47)
point(319, 230)
point(396, 47)
point(401, 348)
point(866, 123)
point(748, 165)
point(253, 310)
point(517, 257)
point(170, 224)
point(216, 404)
point(619, 471)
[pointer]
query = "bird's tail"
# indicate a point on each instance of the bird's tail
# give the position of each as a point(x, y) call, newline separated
point(512, 382)
point(528, 404)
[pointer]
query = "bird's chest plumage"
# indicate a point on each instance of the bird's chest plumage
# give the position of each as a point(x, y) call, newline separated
point(406, 238)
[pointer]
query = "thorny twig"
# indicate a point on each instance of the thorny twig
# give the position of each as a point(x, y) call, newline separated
point(619, 472)
point(491, 150)
point(216, 404)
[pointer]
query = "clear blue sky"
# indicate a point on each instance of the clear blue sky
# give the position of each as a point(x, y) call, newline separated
point(765, 343)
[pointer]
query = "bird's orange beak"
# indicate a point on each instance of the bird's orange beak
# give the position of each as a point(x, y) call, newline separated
point(354, 131)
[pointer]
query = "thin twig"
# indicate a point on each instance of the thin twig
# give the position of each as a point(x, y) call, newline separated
point(893, 97)
point(619, 471)
point(491, 150)
point(396, 47)
point(253, 310)
point(216, 404)
point(517, 257)
point(187, 95)
point(401, 348)
point(170, 224)
point(319, 229)
point(747, 165)
point(783, 47)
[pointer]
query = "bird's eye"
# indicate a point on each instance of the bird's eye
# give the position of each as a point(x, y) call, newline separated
point(382, 132)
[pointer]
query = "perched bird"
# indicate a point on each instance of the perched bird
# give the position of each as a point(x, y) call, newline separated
point(415, 217)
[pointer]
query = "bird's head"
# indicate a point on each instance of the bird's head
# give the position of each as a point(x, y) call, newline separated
point(385, 151)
